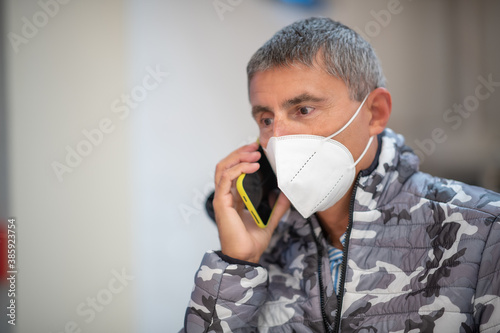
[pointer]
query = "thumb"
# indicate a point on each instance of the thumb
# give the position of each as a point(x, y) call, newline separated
point(280, 208)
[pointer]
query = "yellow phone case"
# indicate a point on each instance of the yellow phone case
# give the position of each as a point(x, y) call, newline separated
point(248, 203)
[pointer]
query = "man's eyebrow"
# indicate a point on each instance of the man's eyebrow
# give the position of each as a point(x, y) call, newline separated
point(302, 98)
point(258, 109)
point(305, 97)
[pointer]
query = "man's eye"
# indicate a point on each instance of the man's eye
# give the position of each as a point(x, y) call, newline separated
point(267, 121)
point(305, 110)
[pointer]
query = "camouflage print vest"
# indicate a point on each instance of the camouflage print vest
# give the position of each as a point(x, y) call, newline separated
point(422, 254)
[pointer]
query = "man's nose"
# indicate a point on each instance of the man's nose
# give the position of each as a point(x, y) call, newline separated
point(279, 126)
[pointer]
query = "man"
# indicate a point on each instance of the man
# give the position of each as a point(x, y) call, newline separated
point(359, 239)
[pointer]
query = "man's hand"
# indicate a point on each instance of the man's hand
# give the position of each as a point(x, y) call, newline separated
point(240, 237)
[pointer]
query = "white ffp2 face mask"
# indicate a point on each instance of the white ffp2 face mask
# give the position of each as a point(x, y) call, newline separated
point(314, 172)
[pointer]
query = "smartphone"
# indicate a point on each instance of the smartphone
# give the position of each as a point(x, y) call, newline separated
point(257, 189)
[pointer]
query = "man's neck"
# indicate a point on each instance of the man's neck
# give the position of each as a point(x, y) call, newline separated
point(335, 219)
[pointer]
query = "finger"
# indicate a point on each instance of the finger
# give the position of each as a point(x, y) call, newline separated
point(234, 161)
point(246, 153)
point(223, 188)
point(238, 203)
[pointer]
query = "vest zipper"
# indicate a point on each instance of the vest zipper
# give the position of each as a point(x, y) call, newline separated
point(340, 296)
point(328, 327)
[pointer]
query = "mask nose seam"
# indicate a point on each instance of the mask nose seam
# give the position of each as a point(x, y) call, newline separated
point(302, 167)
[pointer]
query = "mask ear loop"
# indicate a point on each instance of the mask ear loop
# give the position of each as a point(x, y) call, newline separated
point(350, 120)
point(364, 151)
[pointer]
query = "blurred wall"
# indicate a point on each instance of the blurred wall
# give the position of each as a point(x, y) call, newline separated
point(165, 84)
point(65, 66)
point(3, 125)
point(4, 197)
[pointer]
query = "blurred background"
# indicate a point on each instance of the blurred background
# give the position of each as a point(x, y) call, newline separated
point(113, 115)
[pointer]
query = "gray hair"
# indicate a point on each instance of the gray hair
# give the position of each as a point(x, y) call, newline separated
point(343, 53)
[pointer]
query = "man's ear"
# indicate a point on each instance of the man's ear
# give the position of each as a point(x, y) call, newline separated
point(380, 106)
